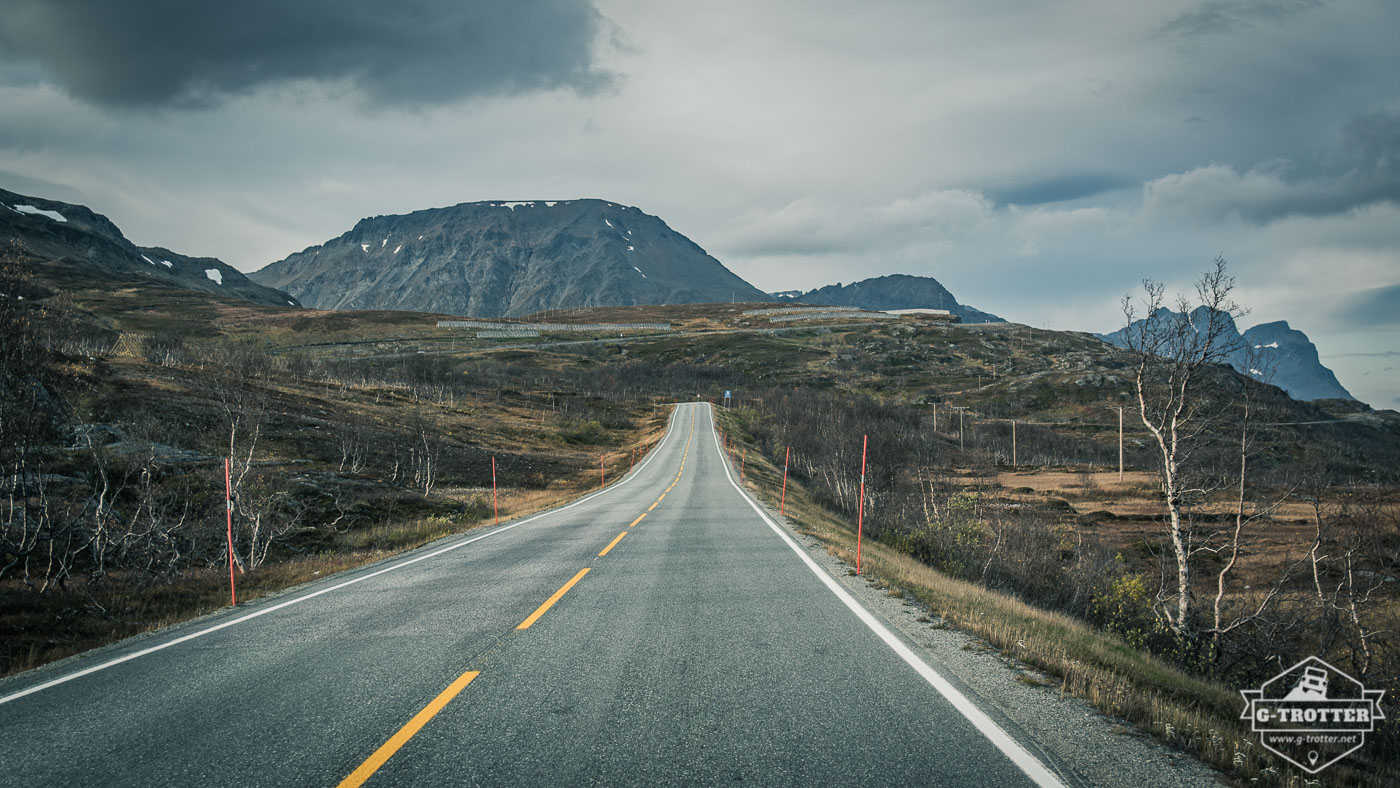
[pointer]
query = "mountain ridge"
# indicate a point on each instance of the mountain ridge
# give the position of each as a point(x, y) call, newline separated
point(499, 258)
point(78, 241)
point(1272, 352)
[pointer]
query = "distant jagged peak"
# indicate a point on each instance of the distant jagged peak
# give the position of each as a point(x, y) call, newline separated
point(1290, 358)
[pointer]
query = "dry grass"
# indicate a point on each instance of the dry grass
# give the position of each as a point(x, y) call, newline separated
point(104, 613)
point(36, 629)
point(1194, 715)
point(1136, 495)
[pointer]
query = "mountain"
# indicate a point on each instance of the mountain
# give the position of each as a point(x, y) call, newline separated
point(1272, 352)
point(1296, 366)
point(495, 259)
point(77, 244)
point(896, 291)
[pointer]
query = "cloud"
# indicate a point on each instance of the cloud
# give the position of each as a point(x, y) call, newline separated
point(158, 53)
point(1378, 354)
point(1363, 170)
point(818, 227)
point(1225, 17)
point(1376, 307)
point(1062, 188)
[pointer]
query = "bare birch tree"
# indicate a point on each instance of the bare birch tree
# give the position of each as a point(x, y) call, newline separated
point(1174, 349)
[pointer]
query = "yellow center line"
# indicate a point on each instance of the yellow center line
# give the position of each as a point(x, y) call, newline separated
point(614, 542)
point(639, 518)
point(387, 750)
point(535, 616)
point(653, 506)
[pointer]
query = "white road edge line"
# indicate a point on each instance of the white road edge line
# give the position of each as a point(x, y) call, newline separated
point(670, 431)
point(1039, 773)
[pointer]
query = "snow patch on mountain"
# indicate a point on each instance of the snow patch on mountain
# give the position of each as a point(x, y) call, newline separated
point(29, 209)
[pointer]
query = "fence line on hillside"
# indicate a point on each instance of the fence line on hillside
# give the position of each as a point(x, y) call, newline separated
point(825, 315)
point(787, 310)
point(555, 327)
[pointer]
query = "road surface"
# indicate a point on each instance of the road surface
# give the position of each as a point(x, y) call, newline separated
point(659, 632)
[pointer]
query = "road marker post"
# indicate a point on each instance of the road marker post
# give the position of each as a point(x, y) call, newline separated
point(602, 474)
point(228, 507)
point(742, 461)
point(783, 503)
point(495, 507)
point(1120, 444)
point(860, 516)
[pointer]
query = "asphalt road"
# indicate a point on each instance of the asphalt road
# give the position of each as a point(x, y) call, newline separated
point(693, 646)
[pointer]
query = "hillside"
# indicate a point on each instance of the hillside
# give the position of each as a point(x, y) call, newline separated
point(362, 432)
point(77, 247)
point(491, 259)
point(896, 291)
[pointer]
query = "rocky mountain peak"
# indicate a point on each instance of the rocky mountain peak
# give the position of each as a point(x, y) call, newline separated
point(507, 258)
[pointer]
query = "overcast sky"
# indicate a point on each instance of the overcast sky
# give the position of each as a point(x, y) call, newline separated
point(1038, 158)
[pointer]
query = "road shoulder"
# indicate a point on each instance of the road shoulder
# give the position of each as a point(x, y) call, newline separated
point(1097, 749)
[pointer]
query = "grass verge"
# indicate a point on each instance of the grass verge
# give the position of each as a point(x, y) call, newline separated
point(36, 629)
point(1193, 715)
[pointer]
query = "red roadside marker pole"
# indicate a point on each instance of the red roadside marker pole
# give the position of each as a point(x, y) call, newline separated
point(860, 517)
point(228, 507)
point(495, 507)
point(742, 461)
point(783, 504)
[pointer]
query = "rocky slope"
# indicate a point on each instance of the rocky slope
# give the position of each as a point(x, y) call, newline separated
point(1293, 358)
point(491, 259)
point(1273, 352)
point(897, 291)
point(77, 244)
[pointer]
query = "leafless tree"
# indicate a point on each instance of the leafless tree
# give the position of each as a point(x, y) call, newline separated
point(36, 537)
point(353, 440)
point(424, 449)
point(1240, 537)
point(1174, 350)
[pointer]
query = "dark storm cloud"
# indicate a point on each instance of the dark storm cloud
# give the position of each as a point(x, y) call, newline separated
point(145, 53)
point(1372, 142)
point(1364, 170)
point(1223, 17)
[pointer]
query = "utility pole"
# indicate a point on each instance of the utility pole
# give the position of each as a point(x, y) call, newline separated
point(961, 445)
